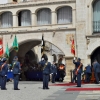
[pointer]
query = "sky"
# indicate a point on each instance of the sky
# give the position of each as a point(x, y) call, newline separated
point(3, 1)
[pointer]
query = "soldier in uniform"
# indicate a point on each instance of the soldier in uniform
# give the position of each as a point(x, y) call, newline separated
point(4, 70)
point(54, 72)
point(16, 72)
point(96, 67)
point(46, 71)
point(79, 67)
point(87, 73)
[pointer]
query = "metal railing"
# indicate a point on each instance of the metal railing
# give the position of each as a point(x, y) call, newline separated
point(96, 26)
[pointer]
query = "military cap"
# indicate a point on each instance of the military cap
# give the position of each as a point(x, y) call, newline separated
point(15, 58)
point(79, 59)
point(4, 59)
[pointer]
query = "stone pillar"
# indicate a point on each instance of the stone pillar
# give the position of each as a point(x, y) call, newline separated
point(69, 66)
point(15, 21)
point(54, 17)
point(34, 19)
point(73, 17)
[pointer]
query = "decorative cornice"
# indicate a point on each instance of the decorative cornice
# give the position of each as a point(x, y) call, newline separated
point(33, 31)
point(93, 36)
point(31, 4)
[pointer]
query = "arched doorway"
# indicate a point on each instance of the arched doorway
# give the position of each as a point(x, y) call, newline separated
point(29, 55)
point(96, 55)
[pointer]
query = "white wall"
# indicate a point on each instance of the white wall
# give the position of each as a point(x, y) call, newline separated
point(3, 1)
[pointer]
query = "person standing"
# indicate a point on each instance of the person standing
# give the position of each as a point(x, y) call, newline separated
point(96, 67)
point(54, 72)
point(87, 73)
point(46, 66)
point(79, 69)
point(16, 72)
point(4, 70)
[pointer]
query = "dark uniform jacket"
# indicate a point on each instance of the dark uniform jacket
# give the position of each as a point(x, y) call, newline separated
point(16, 67)
point(88, 69)
point(96, 67)
point(77, 64)
point(47, 69)
point(4, 70)
point(53, 69)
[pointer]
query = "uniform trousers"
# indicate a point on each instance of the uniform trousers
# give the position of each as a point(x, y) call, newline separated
point(79, 80)
point(16, 81)
point(53, 77)
point(45, 80)
point(3, 82)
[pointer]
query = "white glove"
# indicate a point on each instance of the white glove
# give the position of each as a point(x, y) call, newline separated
point(56, 73)
point(11, 70)
point(5, 75)
point(74, 58)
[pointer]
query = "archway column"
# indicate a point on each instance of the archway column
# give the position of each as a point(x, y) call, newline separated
point(54, 17)
point(15, 21)
point(34, 19)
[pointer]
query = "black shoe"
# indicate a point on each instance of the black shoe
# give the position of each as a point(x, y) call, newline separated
point(47, 88)
point(43, 88)
point(16, 89)
point(78, 86)
point(4, 89)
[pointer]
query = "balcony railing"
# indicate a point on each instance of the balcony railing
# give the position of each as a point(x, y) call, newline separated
point(96, 26)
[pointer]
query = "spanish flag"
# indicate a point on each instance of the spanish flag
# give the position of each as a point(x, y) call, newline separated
point(1, 46)
point(73, 47)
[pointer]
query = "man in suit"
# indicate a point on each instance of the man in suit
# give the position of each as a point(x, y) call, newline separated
point(87, 73)
point(16, 72)
point(4, 70)
point(96, 67)
point(54, 72)
point(79, 69)
point(46, 70)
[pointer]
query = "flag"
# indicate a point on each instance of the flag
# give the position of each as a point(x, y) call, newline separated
point(73, 47)
point(43, 46)
point(1, 47)
point(15, 44)
point(7, 51)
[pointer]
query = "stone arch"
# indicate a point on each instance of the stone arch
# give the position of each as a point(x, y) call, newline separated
point(92, 47)
point(62, 6)
point(29, 40)
point(42, 8)
point(5, 12)
point(22, 10)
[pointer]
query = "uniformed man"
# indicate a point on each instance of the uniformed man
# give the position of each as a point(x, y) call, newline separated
point(96, 67)
point(54, 72)
point(4, 70)
point(79, 69)
point(16, 72)
point(87, 73)
point(62, 72)
point(46, 71)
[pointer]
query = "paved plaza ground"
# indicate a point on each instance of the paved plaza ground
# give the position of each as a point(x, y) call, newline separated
point(34, 91)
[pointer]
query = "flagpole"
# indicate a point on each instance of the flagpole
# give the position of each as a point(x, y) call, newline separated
point(76, 45)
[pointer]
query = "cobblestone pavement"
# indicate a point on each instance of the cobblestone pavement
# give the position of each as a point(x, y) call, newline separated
point(34, 91)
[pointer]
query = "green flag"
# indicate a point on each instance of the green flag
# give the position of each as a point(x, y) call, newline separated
point(7, 51)
point(15, 44)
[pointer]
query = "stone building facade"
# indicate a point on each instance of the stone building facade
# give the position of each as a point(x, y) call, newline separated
point(64, 19)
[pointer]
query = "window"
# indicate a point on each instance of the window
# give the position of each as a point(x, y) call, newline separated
point(44, 16)
point(64, 15)
point(6, 19)
point(96, 16)
point(24, 18)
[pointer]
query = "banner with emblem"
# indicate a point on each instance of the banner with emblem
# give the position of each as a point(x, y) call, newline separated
point(73, 47)
point(1, 46)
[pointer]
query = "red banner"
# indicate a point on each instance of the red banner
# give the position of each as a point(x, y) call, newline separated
point(1, 47)
point(73, 47)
